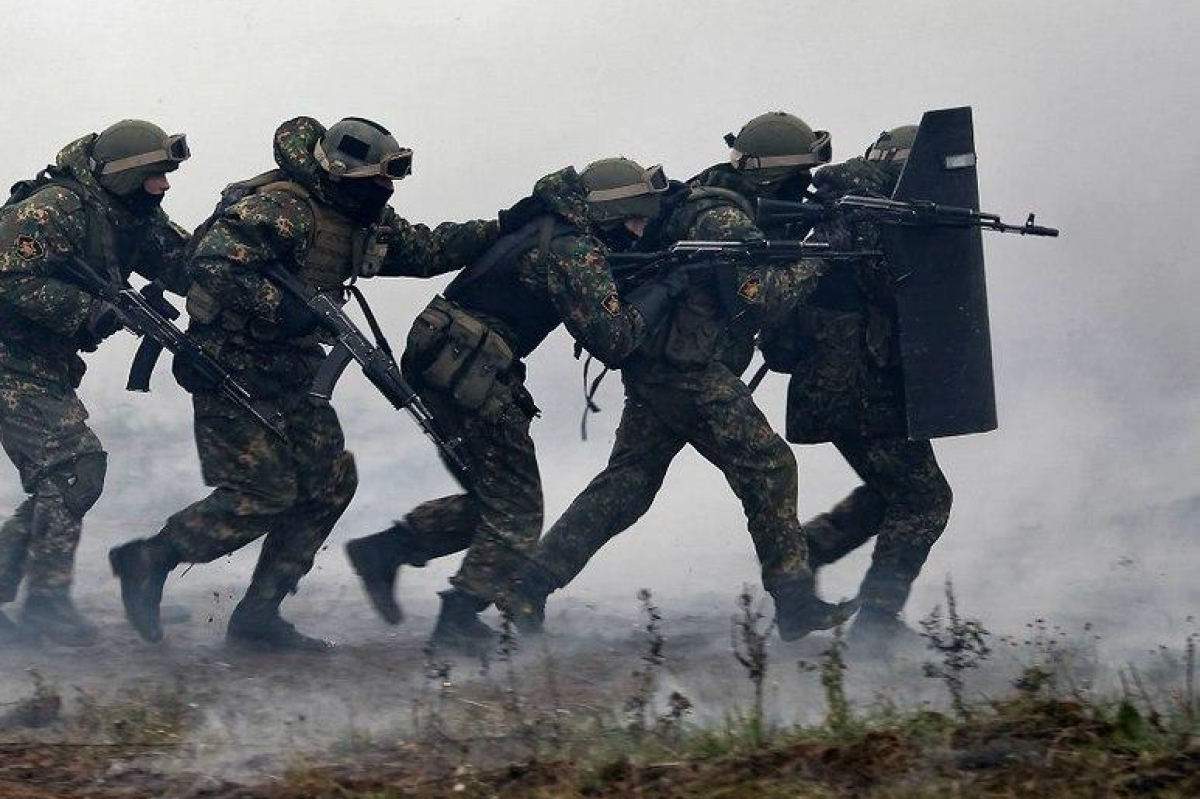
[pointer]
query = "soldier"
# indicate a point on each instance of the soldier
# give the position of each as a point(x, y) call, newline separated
point(324, 215)
point(465, 356)
point(842, 350)
point(683, 388)
point(100, 202)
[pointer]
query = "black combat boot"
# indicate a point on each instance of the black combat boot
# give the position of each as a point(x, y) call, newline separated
point(525, 603)
point(377, 560)
point(879, 633)
point(799, 611)
point(256, 624)
point(142, 567)
point(56, 619)
point(459, 628)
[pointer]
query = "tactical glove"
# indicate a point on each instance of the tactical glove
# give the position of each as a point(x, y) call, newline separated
point(294, 318)
point(654, 299)
point(103, 320)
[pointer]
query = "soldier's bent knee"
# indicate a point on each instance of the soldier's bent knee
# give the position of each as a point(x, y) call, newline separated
point(81, 481)
point(343, 479)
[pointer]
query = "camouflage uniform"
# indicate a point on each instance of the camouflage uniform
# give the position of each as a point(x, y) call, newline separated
point(43, 320)
point(500, 520)
point(683, 388)
point(846, 387)
point(293, 492)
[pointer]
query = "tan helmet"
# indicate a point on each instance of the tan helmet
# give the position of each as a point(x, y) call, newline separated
point(620, 188)
point(778, 144)
point(132, 150)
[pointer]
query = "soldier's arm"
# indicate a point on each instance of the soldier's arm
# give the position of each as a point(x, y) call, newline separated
point(583, 291)
point(767, 292)
point(35, 238)
point(163, 256)
point(417, 251)
point(257, 230)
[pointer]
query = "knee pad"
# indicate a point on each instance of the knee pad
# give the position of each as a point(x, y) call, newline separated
point(81, 481)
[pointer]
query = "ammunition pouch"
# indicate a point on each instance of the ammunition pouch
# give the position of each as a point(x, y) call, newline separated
point(453, 352)
point(81, 481)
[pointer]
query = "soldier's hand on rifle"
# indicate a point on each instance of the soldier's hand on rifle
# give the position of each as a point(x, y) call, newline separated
point(294, 318)
point(103, 320)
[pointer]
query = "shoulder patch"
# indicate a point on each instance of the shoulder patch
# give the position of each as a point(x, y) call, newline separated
point(750, 289)
point(611, 304)
point(28, 247)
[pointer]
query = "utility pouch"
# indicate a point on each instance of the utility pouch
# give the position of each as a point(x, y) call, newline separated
point(200, 305)
point(461, 338)
point(693, 332)
point(428, 330)
point(479, 381)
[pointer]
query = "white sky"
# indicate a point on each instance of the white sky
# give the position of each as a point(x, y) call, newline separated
point(1084, 112)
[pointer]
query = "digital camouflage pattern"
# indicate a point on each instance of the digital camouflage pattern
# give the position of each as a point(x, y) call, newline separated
point(846, 387)
point(904, 500)
point(500, 523)
point(683, 388)
point(292, 492)
point(43, 424)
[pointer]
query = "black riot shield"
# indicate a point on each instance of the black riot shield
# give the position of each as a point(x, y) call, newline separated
point(945, 344)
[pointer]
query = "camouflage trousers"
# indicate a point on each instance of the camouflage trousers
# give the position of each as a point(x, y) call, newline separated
point(292, 492)
point(712, 410)
point(904, 503)
point(43, 428)
point(498, 523)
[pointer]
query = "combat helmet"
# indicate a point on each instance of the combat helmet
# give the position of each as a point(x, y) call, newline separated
point(359, 148)
point(620, 188)
point(132, 150)
point(892, 145)
point(777, 144)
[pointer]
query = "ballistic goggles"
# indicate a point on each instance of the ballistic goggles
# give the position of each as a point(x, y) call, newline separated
point(653, 181)
point(393, 166)
point(174, 152)
point(888, 153)
point(819, 153)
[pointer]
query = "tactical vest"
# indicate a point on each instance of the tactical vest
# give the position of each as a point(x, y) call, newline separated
point(491, 286)
point(100, 251)
point(339, 249)
point(696, 331)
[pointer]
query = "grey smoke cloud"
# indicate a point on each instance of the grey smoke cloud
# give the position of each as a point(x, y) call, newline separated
point(1084, 112)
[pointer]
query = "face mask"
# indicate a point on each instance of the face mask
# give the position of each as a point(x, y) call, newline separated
point(143, 203)
point(366, 196)
point(617, 237)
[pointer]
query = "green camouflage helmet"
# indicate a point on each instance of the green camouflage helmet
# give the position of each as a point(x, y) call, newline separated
point(778, 144)
point(893, 145)
point(619, 188)
point(360, 148)
point(132, 150)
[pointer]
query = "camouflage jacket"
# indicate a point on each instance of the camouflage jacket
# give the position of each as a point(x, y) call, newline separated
point(569, 283)
point(277, 226)
point(841, 346)
point(701, 329)
point(40, 314)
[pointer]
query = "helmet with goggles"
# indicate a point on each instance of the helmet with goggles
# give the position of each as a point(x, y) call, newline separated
point(359, 148)
point(132, 150)
point(777, 144)
point(893, 145)
point(620, 188)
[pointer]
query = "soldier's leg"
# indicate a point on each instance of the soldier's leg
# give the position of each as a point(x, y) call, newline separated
point(14, 543)
point(918, 499)
point(507, 492)
point(254, 478)
point(731, 432)
point(62, 466)
point(326, 482)
point(854, 521)
point(610, 504)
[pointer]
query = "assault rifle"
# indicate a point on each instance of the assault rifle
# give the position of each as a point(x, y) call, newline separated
point(377, 361)
point(913, 212)
point(719, 258)
point(148, 314)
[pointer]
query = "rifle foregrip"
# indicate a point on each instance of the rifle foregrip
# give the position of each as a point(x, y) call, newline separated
point(144, 361)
